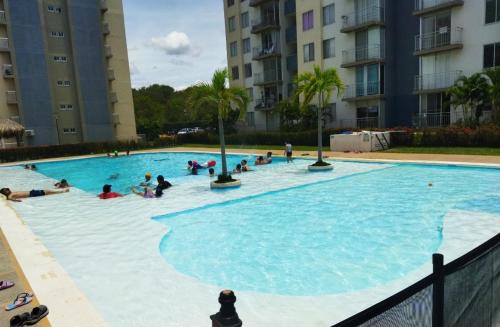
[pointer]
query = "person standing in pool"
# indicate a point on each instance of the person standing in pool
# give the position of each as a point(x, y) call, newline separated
point(147, 180)
point(162, 183)
point(16, 196)
point(288, 152)
point(107, 194)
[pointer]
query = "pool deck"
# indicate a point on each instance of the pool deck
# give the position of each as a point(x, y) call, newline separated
point(24, 259)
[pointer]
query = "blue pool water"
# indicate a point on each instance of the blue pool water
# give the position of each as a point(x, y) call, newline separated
point(123, 172)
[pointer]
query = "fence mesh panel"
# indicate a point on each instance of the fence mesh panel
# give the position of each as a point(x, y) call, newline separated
point(416, 311)
point(472, 294)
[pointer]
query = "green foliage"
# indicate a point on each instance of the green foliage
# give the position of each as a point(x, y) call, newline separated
point(493, 76)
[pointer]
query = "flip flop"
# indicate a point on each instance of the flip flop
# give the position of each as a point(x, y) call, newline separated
point(5, 284)
point(21, 299)
point(37, 314)
point(19, 320)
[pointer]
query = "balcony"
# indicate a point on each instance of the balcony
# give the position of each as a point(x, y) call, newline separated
point(423, 7)
point(105, 29)
point(4, 44)
point(363, 19)
point(363, 91)
point(362, 56)
point(267, 78)
point(107, 51)
point(432, 119)
point(290, 8)
point(8, 71)
point(255, 3)
point(113, 97)
point(265, 104)
point(444, 39)
point(263, 53)
point(11, 97)
point(291, 63)
point(104, 5)
point(111, 74)
point(291, 34)
point(436, 82)
point(264, 24)
point(3, 18)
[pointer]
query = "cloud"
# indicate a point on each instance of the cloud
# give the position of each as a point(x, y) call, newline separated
point(174, 43)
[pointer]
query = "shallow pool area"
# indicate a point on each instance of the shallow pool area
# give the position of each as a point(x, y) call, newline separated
point(297, 247)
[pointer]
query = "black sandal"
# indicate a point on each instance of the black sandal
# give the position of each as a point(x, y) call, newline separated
point(37, 314)
point(19, 320)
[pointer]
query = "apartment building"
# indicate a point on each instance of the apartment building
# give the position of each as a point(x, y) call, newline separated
point(65, 70)
point(390, 54)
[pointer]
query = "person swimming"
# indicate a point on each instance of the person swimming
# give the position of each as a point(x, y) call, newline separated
point(260, 161)
point(269, 157)
point(194, 164)
point(162, 183)
point(244, 166)
point(237, 170)
point(16, 196)
point(147, 180)
point(211, 172)
point(62, 184)
point(114, 176)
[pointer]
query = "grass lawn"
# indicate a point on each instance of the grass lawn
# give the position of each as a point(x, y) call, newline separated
point(448, 150)
point(255, 147)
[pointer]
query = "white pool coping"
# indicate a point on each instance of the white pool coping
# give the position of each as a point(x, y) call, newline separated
point(70, 307)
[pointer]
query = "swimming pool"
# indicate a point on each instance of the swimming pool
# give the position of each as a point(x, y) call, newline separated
point(292, 244)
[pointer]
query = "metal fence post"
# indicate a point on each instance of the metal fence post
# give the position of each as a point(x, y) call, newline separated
point(438, 290)
point(227, 315)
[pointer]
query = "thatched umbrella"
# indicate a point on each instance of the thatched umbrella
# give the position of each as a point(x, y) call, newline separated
point(9, 128)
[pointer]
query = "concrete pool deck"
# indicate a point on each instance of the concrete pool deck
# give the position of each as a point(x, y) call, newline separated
point(68, 305)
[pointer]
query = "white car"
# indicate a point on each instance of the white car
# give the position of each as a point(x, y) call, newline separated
point(185, 131)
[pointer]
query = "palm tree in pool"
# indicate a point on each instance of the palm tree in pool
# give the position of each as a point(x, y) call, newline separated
point(321, 84)
point(226, 99)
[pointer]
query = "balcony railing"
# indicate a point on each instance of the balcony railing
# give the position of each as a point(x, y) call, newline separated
point(432, 119)
point(268, 77)
point(363, 18)
point(3, 18)
point(363, 90)
point(8, 71)
point(111, 74)
point(104, 5)
point(425, 6)
point(291, 63)
point(261, 53)
point(439, 81)
point(291, 34)
point(265, 103)
point(362, 123)
point(266, 22)
point(290, 7)
point(105, 29)
point(108, 52)
point(4, 44)
point(11, 97)
point(445, 38)
point(362, 55)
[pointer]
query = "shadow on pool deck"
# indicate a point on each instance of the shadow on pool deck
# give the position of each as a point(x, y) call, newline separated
point(10, 270)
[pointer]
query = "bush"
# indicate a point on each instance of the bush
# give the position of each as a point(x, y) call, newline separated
point(66, 150)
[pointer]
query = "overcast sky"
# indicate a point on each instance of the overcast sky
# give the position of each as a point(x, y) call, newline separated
point(174, 42)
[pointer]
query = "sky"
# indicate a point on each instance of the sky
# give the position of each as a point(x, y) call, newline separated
point(174, 42)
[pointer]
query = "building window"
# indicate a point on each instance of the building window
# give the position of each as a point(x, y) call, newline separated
point(65, 107)
point(491, 55)
point(67, 83)
point(307, 20)
point(230, 3)
point(233, 49)
point(235, 73)
point(231, 23)
point(309, 52)
point(329, 48)
point(71, 130)
point(250, 93)
point(251, 118)
point(329, 14)
point(60, 83)
point(492, 11)
point(246, 45)
point(245, 20)
point(50, 8)
point(56, 34)
point(248, 70)
point(64, 83)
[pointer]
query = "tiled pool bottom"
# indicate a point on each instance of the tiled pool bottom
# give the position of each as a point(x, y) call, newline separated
point(111, 250)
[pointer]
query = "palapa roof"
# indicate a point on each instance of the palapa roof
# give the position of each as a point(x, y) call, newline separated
point(9, 128)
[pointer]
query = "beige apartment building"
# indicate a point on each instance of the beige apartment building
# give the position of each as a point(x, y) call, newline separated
point(65, 71)
point(396, 58)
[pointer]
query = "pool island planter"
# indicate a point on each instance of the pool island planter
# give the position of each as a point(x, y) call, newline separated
point(219, 186)
point(326, 167)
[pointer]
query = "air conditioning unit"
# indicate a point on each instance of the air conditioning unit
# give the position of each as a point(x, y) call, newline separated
point(116, 118)
point(29, 132)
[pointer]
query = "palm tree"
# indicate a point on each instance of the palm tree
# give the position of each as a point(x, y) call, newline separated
point(493, 75)
point(226, 99)
point(320, 83)
point(470, 93)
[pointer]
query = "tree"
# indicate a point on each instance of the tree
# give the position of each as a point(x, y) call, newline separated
point(471, 94)
point(493, 75)
point(226, 99)
point(320, 84)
